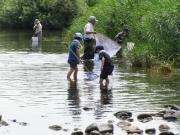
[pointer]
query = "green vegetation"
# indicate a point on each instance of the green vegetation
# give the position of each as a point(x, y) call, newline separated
point(54, 14)
point(154, 24)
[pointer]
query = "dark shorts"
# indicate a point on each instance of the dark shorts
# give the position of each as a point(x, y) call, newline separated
point(107, 70)
point(73, 65)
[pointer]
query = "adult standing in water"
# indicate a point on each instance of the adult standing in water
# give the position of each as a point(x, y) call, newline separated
point(38, 28)
point(89, 38)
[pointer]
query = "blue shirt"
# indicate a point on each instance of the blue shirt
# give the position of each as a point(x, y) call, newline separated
point(73, 58)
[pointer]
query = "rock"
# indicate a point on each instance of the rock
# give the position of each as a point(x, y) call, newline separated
point(164, 127)
point(123, 115)
point(2, 122)
point(95, 132)
point(77, 129)
point(174, 107)
point(55, 127)
point(66, 130)
point(170, 118)
point(132, 129)
point(103, 128)
point(91, 127)
point(166, 133)
point(23, 123)
point(122, 124)
point(88, 108)
point(77, 133)
point(144, 118)
point(150, 131)
point(133, 134)
point(130, 120)
point(110, 121)
point(168, 112)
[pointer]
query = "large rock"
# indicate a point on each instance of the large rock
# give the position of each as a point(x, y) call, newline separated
point(91, 127)
point(103, 128)
point(144, 118)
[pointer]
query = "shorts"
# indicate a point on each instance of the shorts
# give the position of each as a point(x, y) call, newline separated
point(107, 70)
point(73, 65)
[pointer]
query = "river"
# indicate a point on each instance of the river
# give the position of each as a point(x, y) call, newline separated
point(34, 89)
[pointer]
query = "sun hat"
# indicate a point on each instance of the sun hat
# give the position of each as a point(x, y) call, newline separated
point(36, 21)
point(79, 35)
point(91, 18)
point(99, 47)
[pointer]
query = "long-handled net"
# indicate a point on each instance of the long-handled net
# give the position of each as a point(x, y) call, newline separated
point(90, 75)
point(110, 46)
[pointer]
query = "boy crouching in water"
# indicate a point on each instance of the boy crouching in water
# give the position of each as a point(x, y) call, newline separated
point(74, 56)
point(107, 65)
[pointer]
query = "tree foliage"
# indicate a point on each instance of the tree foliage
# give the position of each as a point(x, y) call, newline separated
point(54, 14)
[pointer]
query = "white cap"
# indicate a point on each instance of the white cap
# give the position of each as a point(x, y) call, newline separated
point(91, 18)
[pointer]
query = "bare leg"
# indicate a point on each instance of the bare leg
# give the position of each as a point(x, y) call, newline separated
point(101, 81)
point(107, 81)
point(70, 73)
point(75, 74)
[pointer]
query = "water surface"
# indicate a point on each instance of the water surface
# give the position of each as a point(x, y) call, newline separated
point(34, 89)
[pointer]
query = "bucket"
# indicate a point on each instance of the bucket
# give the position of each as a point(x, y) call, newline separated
point(130, 45)
point(34, 39)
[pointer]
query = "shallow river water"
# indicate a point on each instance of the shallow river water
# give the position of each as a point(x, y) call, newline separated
point(34, 89)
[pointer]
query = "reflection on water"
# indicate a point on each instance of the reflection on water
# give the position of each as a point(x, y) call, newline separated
point(37, 46)
point(34, 89)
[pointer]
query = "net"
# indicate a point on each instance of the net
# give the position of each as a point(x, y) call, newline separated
point(92, 76)
point(110, 46)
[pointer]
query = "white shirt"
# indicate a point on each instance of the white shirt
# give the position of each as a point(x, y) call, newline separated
point(88, 27)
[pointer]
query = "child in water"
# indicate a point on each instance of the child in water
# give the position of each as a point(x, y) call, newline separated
point(107, 65)
point(74, 56)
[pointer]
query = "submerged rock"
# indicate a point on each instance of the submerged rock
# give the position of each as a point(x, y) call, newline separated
point(55, 127)
point(144, 118)
point(23, 123)
point(88, 108)
point(77, 133)
point(174, 107)
point(170, 118)
point(123, 115)
point(122, 124)
point(163, 127)
point(166, 133)
point(150, 131)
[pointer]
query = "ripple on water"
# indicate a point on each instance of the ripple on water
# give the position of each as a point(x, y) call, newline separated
point(34, 85)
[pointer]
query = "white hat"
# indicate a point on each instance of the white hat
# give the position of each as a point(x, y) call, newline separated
point(91, 18)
